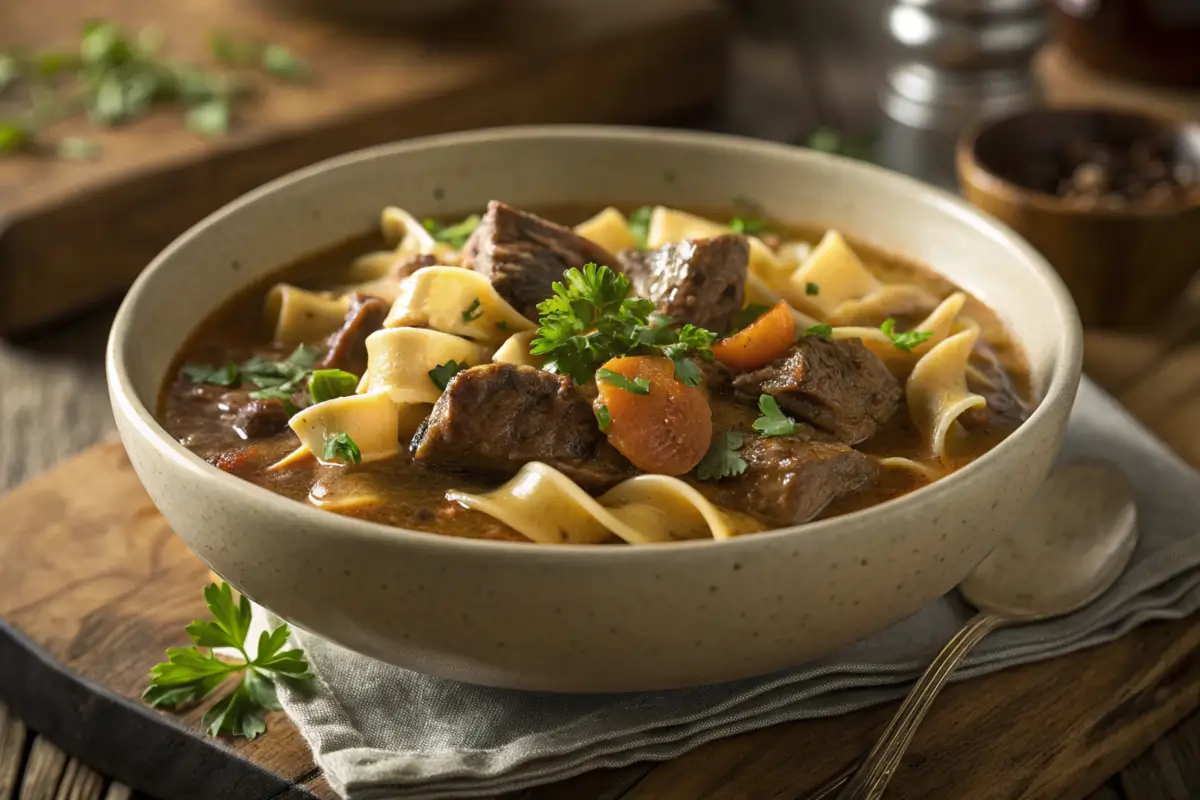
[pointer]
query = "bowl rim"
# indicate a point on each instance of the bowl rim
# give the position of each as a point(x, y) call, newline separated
point(971, 169)
point(141, 421)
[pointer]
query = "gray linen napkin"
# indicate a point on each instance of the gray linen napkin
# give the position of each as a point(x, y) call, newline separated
point(382, 732)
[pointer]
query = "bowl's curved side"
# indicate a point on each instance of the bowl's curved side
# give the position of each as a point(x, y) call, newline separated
point(589, 618)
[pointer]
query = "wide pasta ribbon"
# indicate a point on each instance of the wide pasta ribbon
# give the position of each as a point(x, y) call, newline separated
point(547, 507)
point(455, 301)
point(937, 393)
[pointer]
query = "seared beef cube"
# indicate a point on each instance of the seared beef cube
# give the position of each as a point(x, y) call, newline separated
point(497, 417)
point(348, 345)
point(409, 264)
point(701, 281)
point(790, 479)
point(523, 255)
point(260, 418)
point(840, 386)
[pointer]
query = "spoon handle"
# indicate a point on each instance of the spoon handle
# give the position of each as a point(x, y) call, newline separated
point(872, 778)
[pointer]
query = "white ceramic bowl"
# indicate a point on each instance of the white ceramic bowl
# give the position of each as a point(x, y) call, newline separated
point(589, 618)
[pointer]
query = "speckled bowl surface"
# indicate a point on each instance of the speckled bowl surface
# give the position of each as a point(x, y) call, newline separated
point(589, 618)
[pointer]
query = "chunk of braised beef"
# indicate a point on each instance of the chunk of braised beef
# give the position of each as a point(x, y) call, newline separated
point(839, 386)
point(496, 418)
point(407, 265)
point(791, 479)
point(258, 418)
point(523, 255)
point(701, 281)
point(347, 346)
point(232, 460)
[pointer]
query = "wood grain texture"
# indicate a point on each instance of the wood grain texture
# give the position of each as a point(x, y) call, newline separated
point(43, 769)
point(107, 612)
point(12, 752)
point(73, 234)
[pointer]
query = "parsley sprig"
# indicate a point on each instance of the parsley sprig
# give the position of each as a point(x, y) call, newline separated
point(455, 235)
point(639, 225)
point(637, 385)
point(327, 384)
point(773, 421)
point(442, 373)
point(591, 318)
point(747, 225)
point(823, 329)
point(722, 459)
point(905, 340)
point(191, 674)
point(340, 447)
point(276, 380)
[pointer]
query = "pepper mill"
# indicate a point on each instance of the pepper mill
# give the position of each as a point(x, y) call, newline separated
point(960, 61)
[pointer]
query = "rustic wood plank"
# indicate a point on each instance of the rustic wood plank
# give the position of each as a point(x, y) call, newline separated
point(1106, 792)
point(118, 791)
point(80, 782)
point(43, 769)
point(534, 61)
point(1170, 770)
point(12, 752)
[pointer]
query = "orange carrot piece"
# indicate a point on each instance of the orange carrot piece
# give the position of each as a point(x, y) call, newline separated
point(665, 431)
point(767, 338)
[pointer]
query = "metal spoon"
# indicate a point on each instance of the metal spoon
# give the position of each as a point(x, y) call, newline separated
point(1071, 545)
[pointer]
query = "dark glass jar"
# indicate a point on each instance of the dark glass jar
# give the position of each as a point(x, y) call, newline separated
point(1156, 41)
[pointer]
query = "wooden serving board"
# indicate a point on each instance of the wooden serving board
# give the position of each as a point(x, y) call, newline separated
point(94, 586)
point(74, 234)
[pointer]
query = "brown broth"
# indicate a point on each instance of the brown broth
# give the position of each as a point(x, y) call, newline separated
point(415, 494)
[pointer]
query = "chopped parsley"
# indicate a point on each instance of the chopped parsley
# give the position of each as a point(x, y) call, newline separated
point(502, 325)
point(455, 235)
point(226, 375)
point(747, 317)
point(190, 674)
point(591, 318)
point(603, 418)
point(905, 340)
point(340, 447)
point(824, 330)
point(722, 459)
point(773, 421)
point(442, 373)
point(639, 225)
point(747, 225)
point(326, 384)
point(636, 386)
point(811, 289)
point(472, 311)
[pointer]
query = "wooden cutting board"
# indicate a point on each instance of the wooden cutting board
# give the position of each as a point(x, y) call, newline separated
point(73, 234)
point(94, 586)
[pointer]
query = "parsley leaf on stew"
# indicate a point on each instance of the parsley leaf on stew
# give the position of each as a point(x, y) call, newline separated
point(773, 421)
point(226, 375)
point(747, 316)
point(824, 330)
point(905, 341)
point(442, 373)
point(326, 384)
point(639, 225)
point(722, 459)
point(635, 386)
point(812, 289)
point(190, 674)
point(340, 447)
point(603, 418)
point(455, 235)
point(501, 325)
point(747, 225)
point(687, 371)
point(472, 311)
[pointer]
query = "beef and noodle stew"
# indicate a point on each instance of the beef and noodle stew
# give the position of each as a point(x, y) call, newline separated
point(649, 377)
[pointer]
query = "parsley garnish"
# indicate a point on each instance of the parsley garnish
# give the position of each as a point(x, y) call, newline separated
point(722, 459)
point(773, 422)
point(747, 316)
point(906, 340)
point(636, 386)
point(639, 225)
point(226, 375)
point(189, 674)
point(591, 318)
point(340, 447)
point(455, 235)
point(747, 225)
point(824, 330)
point(501, 325)
point(811, 289)
point(442, 373)
point(603, 418)
point(326, 384)
point(472, 312)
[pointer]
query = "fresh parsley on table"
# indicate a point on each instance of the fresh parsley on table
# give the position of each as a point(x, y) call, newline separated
point(190, 674)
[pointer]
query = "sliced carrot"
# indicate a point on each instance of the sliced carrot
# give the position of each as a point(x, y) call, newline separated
point(665, 431)
point(767, 338)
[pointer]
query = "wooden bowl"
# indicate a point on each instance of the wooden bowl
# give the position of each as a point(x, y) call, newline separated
point(1124, 266)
